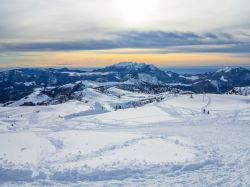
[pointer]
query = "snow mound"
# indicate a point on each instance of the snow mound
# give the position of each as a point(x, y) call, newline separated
point(34, 98)
point(72, 155)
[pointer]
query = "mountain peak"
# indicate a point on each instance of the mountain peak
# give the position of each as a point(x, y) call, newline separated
point(229, 69)
point(130, 67)
point(127, 64)
point(134, 65)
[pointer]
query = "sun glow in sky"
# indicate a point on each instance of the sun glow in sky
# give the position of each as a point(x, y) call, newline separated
point(98, 33)
point(136, 12)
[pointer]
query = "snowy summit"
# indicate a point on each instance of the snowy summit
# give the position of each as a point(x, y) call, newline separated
point(133, 65)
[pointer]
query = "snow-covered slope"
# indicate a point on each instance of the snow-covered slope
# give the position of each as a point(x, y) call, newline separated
point(240, 91)
point(105, 99)
point(168, 143)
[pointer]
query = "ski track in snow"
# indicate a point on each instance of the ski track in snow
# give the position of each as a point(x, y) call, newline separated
point(72, 146)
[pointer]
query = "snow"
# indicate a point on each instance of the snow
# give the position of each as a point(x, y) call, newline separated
point(225, 69)
point(70, 85)
point(169, 74)
point(98, 100)
point(178, 84)
point(223, 79)
point(87, 73)
point(36, 97)
point(113, 98)
point(168, 143)
point(192, 78)
point(148, 78)
point(126, 94)
point(157, 150)
point(26, 83)
point(21, 148)
point(241, 90)
point(136, 116)
point(29, 83)
point(133, 65)
point(129, 64)
point(214, 83)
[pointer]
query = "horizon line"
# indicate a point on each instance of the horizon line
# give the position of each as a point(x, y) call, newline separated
point(157, 65)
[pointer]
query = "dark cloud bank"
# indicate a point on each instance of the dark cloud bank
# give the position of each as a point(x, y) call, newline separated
point(174, 41)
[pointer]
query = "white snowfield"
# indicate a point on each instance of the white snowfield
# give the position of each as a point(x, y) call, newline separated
point(168, 143)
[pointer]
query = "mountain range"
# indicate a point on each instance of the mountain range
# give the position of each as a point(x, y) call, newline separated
point(66, 84)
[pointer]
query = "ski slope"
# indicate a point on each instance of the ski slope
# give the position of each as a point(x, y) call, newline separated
point(168, 143)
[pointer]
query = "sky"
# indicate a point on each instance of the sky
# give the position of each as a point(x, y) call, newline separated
point(84, 33)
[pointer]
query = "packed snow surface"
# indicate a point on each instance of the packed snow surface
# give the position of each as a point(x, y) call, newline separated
point(170, 143)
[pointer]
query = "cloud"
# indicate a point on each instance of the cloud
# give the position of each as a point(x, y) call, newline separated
point(230, 48)
point(164, 41)
point(177, 26)
point(75, 20)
